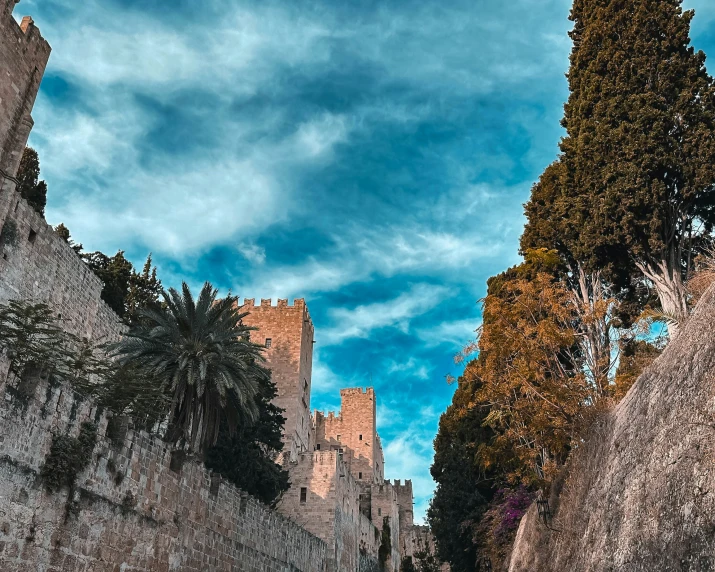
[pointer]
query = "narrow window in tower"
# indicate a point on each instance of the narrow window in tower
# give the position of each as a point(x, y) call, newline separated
point(338, 437)
point(379, 512)
point(359, 475)
point(303, 495)
point(269, 342)
point(317, 447)
point(360, 437)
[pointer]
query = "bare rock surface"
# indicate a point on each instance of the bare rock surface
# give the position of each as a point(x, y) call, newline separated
point(639, 494)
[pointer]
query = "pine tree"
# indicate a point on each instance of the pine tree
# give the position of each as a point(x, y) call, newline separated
point(639, 157)
point(29, 185)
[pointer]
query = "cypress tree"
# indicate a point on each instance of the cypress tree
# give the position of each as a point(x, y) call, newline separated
point(638, 161)
point(29, 185)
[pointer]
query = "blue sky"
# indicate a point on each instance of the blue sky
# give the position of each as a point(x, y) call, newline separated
point(371, 157)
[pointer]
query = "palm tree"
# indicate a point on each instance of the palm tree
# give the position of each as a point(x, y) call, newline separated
point(201, 354)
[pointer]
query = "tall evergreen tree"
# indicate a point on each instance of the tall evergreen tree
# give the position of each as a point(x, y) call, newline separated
point(639, 157)
point(29, 185)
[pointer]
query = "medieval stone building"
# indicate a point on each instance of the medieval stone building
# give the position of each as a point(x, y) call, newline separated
point(135, 507)
point(336, 463)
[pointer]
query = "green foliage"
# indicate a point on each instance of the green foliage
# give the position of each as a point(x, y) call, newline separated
point(199, 352)
point(68, 457)
point(144, 291)
point(247, 458)
point(9, 234)
point(425, 560)
point(30, 336)
point(64, 233)
point(383, 553)
point(126, 389)
point(29, 185)
point(639, 156)
point(465, 472)
point(116, 273)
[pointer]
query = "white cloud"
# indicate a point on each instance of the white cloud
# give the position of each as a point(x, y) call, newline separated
point(361, 321)
point(413, 367)
point(455, 332)
point(252, 252)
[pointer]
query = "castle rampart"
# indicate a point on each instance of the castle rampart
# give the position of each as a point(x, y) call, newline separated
point(134, 508)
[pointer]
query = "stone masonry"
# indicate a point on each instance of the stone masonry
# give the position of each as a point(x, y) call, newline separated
point(23, 57)
point(354, 433)
point(287, 333)
point(135, 509)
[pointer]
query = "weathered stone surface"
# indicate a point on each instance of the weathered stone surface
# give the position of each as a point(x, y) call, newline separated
point(175, 520)
point(290, 358)
point(23, 57)
point(640, 493)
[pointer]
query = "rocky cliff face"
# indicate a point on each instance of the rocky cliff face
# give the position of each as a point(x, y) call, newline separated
point(639, 495)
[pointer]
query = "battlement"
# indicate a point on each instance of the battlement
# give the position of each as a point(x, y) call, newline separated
point(268, 303)
point(24, 54)
point(400, 487)
point(349, 391)
point(25, 31)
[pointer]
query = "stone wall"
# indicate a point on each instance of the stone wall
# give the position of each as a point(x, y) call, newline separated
point(384, 506)
point(42, 267)
point(323, 498)
point(639, 494)
point(290, 358)
point(133, 511)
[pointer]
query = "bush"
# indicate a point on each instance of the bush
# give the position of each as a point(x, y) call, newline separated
point(68, 457)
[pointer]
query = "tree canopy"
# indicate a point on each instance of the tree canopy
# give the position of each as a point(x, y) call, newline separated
point(638, 176)
point(200, 352)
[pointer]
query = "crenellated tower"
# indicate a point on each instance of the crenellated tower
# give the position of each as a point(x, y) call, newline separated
point(287, 333)
point(353, 432)
point(23, 57)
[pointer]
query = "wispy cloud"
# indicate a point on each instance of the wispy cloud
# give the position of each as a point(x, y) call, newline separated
point(361, 321)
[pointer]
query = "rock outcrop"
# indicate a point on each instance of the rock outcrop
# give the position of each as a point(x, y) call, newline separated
point(639, 494)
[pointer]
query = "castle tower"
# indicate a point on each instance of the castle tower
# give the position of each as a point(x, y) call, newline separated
point(405, 502)
point(287, 333)
point(23, 57)
point(354, 433)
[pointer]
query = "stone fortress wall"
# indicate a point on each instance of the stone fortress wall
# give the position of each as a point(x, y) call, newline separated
point(135, 508)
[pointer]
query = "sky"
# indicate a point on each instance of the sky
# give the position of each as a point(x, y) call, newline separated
point(370, 157)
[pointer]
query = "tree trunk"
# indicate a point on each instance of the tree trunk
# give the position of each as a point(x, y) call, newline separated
point(591, 297)
point(669, 286)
